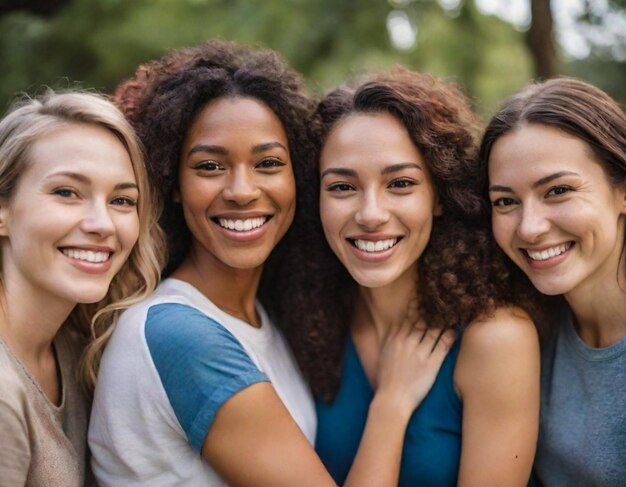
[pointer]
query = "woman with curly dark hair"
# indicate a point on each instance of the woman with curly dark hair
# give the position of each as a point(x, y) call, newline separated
point(196, 385)
point(407, 237)
point(555, 156)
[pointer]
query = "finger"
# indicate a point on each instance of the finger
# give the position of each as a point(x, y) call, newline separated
point(431, 335)
point(444, 342)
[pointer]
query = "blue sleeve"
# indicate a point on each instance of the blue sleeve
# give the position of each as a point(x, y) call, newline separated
point(200, 364)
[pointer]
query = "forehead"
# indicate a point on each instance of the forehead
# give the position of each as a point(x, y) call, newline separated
point(366, 139)
point(84, 148)
point(534, 149)
point(234, 117)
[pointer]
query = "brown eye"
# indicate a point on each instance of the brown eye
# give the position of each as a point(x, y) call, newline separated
point(270, 164)
point(209, 166)
point(340, 187)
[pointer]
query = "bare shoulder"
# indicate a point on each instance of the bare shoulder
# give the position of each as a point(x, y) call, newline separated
point(496, 347)
point(506, 328)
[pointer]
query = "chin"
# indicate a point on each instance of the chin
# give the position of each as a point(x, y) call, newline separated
point(372, 281)
point(550, 288)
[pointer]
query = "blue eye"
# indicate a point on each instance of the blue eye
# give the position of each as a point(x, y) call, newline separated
point(65, 192)
point(124, 201)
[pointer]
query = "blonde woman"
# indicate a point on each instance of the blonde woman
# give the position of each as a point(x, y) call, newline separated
point(78, 244)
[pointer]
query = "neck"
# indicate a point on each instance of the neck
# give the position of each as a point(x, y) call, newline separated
point(599, 309)
point(232, 290)
point(29, 325)
point(383, 308)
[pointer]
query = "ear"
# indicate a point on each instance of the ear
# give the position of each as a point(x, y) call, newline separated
point(4, 210)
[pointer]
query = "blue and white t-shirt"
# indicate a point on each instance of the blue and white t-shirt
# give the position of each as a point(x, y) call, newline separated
point(172, 361)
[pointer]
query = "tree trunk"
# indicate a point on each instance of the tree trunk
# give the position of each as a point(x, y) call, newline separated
point(540, 40)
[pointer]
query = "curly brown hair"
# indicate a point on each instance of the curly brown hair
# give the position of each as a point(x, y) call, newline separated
point(458, 277)
point(163, 98)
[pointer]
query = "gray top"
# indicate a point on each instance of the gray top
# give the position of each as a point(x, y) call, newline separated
point(582, 436)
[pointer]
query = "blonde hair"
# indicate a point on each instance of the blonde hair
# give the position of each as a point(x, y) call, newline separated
point(31, 119)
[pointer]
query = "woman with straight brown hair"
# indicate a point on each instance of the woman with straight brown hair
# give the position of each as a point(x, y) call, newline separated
point(554, 167)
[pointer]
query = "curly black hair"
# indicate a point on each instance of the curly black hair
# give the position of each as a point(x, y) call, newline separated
point(163, 98)
point(460, 274)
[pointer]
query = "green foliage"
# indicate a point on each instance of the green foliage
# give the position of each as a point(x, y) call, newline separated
point(98, 43)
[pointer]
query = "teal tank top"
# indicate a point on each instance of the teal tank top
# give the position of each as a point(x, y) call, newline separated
point(432, 444)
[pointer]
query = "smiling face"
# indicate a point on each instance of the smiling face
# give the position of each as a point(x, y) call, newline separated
point(555, 214)
point(377, 199)
point(237, 186)
point(71, 221)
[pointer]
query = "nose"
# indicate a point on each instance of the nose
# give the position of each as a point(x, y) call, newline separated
point(372, 212)
point(98, 219)
point(241, 187)
point(534, 223)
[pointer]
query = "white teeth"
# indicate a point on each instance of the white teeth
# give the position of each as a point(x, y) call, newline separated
point(242, 225)
point(377, 246)
point(548, 253)
point(87, 255)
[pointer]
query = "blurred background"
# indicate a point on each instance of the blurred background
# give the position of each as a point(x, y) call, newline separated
point(489, 47)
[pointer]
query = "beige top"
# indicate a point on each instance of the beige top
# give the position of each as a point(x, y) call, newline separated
point(42, 444)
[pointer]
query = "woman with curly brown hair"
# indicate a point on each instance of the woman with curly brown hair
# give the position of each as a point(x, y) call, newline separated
point(555, 157)
point(409, 238)
point(197, 386)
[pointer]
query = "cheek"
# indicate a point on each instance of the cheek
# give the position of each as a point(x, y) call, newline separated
point(502, 231)
point(129, 231)
point(329, 213)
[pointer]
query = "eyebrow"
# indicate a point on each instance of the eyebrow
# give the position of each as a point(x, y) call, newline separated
point(218, 149)
point(340, 171)
point(267, 146)
point(211, 149)
point(536, 184)
point(400, 167)
point(81, 178)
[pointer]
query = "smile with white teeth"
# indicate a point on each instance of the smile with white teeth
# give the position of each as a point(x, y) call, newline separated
point(242, 225)
point(377, 246)
point(92, 256)
point(548, 253)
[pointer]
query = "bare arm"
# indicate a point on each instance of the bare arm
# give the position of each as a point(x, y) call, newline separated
point(497, 375)
point(255, 442)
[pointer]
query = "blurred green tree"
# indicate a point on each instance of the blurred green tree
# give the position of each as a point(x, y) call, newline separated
point(98, 43)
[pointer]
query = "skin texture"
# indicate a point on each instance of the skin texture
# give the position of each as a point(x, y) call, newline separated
point(547, 190)
point(551, 193)
point(374, 178)
point(235, 164)
point(376, 185)
point(81, 180)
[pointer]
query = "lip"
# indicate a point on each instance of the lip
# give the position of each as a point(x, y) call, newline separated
point(89, 267)
point(551, 261)
point(242, 235)
point(373, 257)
